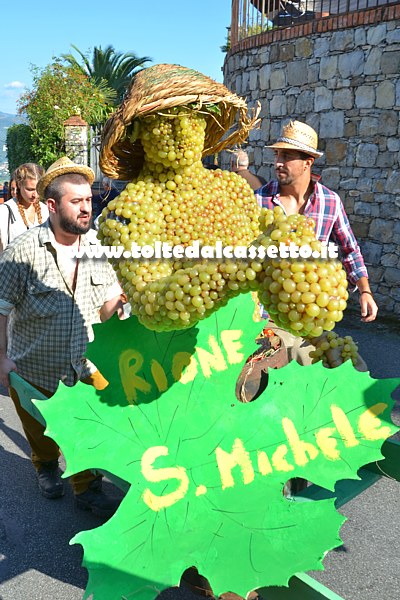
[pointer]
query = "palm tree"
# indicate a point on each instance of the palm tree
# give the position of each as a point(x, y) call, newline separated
point(108, 66)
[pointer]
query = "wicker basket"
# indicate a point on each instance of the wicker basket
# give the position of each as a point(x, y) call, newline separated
point(161, 87)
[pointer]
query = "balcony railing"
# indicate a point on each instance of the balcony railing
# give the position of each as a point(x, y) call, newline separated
point(251, 17)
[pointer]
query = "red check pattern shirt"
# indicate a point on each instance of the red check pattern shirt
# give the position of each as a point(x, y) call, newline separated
point(332, 224)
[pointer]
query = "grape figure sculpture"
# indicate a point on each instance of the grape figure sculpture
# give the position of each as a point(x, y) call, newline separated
point(171, 118)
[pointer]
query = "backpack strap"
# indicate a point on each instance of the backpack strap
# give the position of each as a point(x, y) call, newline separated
point(11, 220)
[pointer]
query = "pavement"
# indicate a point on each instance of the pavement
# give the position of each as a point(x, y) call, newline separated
point(37, 562)
point(367, 566)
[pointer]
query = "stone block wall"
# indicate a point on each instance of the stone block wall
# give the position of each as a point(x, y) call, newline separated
point(346, 84)
point(76, 139)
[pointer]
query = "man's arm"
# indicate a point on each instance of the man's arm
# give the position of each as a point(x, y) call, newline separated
point(114, 299)
point(353, 262)
point(369, 308)
point(110, 307)
point(6, 365)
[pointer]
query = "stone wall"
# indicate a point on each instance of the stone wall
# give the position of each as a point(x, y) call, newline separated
point(76, 139)
point(346, 84)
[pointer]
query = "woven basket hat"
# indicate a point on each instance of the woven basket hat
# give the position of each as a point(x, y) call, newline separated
point(162, 87)
point(298, 136)
point(63, 166)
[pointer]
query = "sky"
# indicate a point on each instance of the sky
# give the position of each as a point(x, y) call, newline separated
point(188, 33)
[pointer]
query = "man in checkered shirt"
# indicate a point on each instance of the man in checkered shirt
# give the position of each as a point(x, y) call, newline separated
point(50, 301)
point(297, 190)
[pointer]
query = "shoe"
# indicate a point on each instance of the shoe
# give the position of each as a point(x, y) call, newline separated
point(49, 479)
point(294, 486)
point(97, 501)
point(196, 583)
point(253, 379)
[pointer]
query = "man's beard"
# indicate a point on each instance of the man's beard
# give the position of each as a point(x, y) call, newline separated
point(284, 178)
point(70, 226)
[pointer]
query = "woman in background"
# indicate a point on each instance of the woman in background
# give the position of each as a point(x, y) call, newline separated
point(101, 200)
point(5, 191)
point(25, 210)
point(12, 188)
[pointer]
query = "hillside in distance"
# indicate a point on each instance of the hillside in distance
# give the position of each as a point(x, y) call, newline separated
point(6, 120)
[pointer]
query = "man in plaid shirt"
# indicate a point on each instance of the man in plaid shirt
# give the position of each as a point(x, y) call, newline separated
point(296, 190)
point(50, 301)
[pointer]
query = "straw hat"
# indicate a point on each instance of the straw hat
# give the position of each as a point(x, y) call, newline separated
point(159, 88)
point(298, 136)
point(63, 166)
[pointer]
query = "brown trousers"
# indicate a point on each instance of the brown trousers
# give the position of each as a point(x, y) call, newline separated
point(299, 349)
point(44, 449)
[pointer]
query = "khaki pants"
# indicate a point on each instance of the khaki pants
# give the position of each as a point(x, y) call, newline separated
point(44, 449)
point(299, 349)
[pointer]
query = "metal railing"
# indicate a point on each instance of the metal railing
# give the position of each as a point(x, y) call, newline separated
point(251, 17)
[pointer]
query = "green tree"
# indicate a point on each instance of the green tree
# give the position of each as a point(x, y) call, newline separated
point(108, 66)
point(227, 46)
point(59, 91)
point(19, 146)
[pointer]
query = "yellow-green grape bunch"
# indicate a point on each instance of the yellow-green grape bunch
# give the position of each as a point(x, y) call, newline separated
point(173, 139)
point(177, 201)
point(188, 295)
point(305, 297)
point(334, 350)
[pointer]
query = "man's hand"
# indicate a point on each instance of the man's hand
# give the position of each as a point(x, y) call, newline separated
point(369, 307)
point(6, 366)
point(112, 306)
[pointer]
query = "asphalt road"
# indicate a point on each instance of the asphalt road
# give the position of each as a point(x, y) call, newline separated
point(37, 562)
point(367, 567)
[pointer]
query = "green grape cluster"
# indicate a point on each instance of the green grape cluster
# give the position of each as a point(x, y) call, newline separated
point(192, 292)
point(173, 139)
point(305, 297)
point(133, 216)
point(334, 350)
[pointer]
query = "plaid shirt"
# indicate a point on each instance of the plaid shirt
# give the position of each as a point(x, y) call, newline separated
point(50, 324)
point(332, 224)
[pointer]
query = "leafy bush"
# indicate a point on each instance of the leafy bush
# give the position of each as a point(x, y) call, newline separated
point(57, 93)
point(19, 146)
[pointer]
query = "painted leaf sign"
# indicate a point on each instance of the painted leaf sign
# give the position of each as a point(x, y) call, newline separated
point(205, 471)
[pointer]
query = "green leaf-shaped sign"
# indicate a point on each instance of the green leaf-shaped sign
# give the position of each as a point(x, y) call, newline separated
point(206, 472)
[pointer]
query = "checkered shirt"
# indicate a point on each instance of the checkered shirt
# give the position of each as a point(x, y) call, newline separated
point(50, 324)
point(332, 224)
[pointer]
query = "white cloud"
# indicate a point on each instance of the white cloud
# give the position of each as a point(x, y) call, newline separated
point(14, 85)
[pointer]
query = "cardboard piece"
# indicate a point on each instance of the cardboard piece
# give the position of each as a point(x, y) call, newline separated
point(206, 472)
